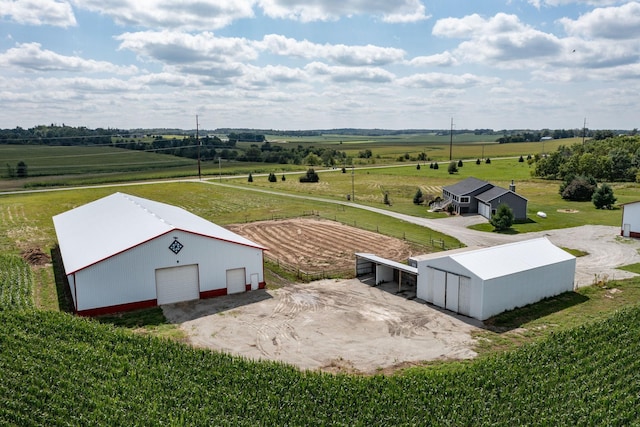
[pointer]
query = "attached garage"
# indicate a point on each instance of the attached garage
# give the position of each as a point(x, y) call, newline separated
point(481, 283)
point(123, 252)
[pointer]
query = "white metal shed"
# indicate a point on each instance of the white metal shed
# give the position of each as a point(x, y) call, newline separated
point(123, 252)
point(484, 282)
point(630, 220)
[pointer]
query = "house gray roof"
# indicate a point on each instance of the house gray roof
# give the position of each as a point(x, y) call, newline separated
point(466, 186)
point(494, 193)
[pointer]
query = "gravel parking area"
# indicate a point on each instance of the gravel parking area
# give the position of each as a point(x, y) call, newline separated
point(329, 325)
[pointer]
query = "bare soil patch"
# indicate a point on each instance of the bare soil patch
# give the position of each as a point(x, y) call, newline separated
point(35, 257)
point(317, 244)
point(568, 210)
point(328, 325)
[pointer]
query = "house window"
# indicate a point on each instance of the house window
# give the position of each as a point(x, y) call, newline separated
point(464, 199)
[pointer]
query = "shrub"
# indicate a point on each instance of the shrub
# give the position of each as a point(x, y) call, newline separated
point(453, 168)
point(418, 198)
point(460, 164)
point(503, 218)
point(488, 161)
point(310, 176)
point(578, 188)
point(477, 161)
point(250, 179)
point(272, 177)
point(386, 199)
point(418, 166)
point(435, 165)
point(283, 178)
point(603, 197)
point(521, 159)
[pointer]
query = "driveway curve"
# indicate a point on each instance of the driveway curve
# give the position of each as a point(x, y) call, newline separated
point(606, 249)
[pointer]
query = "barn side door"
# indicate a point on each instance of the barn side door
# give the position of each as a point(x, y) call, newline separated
point(452, 292)
point(626, 230)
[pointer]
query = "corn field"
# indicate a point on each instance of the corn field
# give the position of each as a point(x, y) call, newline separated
point(16, 283)
point(57, 369)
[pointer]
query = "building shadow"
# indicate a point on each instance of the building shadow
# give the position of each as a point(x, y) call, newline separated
point(65, 302)
point(190, 310)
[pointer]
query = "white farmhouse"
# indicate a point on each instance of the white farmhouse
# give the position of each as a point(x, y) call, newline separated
point(123, 252)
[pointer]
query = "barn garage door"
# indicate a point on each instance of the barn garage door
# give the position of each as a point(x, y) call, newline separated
point(236, 281)
point(177, 284)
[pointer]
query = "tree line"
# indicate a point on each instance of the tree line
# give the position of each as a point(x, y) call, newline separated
point(614, 158)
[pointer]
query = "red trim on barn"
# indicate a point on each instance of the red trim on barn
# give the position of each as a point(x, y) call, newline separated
point(118, 308)
point(262, 285)
point(634, 234)
point(214, 293)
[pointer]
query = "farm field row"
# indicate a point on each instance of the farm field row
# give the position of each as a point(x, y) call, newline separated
point(62, 369)
point(76, 165)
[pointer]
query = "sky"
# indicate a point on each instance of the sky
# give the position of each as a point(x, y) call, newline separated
point(320, 64)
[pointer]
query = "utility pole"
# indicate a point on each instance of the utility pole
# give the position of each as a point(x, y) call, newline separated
point(451, 141)
point(353, 187)
point(198, 143)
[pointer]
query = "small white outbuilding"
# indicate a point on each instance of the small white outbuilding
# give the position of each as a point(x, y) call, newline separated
point(481, 283)
point(123, 252)
point(631, 220)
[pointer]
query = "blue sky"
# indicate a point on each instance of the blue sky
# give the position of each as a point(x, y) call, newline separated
point(319, 64)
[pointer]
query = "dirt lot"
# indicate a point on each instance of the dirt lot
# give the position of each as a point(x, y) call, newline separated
point(329, 325)
point(315, 244)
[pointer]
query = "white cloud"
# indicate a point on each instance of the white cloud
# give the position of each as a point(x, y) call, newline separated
point(342, 54)
point(348, 74)
point(442, 80)
point(186, 14)
point(314, 10)
point(173, 47)
point(444, 59)
point(502, 40)
point(31, 57)
point(618, 23)
point(39, 12)
point(553, 3)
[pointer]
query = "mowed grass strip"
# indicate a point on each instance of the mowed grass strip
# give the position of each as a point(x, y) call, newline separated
point(58, 369)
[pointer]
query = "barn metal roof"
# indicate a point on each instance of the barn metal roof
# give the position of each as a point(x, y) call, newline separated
point(503, 260)
point(383, 261)
point(111, 225)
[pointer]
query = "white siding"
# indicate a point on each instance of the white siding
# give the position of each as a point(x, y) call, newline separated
point(452, 289)
point(631, 216)
point(130, 276)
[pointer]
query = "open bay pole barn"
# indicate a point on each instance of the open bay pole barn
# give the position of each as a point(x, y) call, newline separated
point(485, 282)
point(123, 252)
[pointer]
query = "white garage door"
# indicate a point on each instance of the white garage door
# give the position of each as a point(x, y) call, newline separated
point(484, 210)
point(177, 284)
point(236, 281)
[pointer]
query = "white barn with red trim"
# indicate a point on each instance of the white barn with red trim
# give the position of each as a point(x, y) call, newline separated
point(630, 220)
point(124, 252)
